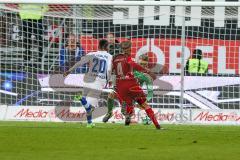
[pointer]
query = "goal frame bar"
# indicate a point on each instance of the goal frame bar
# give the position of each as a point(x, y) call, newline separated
point(126, 3)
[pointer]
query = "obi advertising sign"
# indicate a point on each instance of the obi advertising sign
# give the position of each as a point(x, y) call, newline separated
point(222, 55)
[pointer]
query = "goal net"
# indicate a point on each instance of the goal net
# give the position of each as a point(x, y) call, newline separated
point(36, 51)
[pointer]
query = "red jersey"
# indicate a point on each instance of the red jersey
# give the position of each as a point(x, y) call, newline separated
point(127, 87)
point(123, 67)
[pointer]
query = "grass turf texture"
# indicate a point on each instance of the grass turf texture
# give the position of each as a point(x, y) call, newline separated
point(73, 141)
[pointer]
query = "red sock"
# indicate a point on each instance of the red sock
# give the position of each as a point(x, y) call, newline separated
point(151, 115)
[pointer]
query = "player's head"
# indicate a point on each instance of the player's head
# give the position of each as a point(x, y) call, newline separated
point(103, 45)
point(197, 53)
point(72, 40)
point(143, 60)
point(111, 37)
point(126, 47)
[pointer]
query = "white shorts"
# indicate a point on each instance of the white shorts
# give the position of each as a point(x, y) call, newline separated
point(92, 91)
point(92, 87)
point(92, 96)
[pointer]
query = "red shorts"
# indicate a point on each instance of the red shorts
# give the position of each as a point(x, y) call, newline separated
point(130, 91)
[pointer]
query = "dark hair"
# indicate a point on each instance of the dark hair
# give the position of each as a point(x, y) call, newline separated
point(103, 44)
point(68, 38)
point(197, 53)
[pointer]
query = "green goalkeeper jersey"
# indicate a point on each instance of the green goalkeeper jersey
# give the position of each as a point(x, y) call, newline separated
point(143, 78)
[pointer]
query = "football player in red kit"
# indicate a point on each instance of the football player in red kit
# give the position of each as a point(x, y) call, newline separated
point(127, 86)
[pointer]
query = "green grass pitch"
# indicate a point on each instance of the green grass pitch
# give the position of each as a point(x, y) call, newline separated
point(73, 141)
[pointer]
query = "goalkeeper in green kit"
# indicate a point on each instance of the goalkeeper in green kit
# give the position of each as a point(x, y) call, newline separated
point(143, 79)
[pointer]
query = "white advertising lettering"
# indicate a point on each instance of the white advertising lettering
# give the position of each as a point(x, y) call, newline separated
point(194, 16)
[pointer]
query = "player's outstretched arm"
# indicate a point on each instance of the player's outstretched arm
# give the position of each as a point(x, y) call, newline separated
point(137, 66)
point(83, 60)
point(140, 68)
point(65, 74)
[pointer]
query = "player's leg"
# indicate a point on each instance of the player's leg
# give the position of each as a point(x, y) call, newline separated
point(92, 98)
point(144, 105)
point(86, 102)
point(139, 96)
point(88, 107)
point(129, 108)
point(124, 108)
point(128, 114)
point(110, 105)
point(91, 106)
point(126, 98)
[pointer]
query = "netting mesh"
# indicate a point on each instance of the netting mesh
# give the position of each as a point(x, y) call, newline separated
point(109, 11)
point(34, 54)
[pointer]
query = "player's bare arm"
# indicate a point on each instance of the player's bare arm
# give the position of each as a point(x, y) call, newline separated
point(83, 60)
